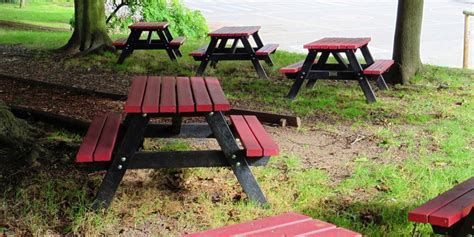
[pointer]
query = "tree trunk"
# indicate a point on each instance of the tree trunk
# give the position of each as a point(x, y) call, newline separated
point(22, 3)
point(406, 48)
point(90, 34)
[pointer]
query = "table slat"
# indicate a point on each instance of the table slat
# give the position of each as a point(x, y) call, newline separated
point(338, 43)
point(454, 211)
point(106, 143)
point(270, 148)
point(151, 101)
point(89, 143)
point(135, 95)
point(168, 95)
point(217, 95)
point(201, 96)
point(294, 230)
point(185, 95)
point(149, 25)
point(234, 31)
point(248, 139)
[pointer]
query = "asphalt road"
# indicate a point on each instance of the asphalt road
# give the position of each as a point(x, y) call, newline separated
point(296, 22)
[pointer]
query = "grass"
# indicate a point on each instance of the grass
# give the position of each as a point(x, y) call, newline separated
point(430, 119)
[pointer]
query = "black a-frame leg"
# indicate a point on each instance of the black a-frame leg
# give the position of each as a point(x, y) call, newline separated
point(170, 38)
point(259, 43)
point(134, 126)
point(129, 47)
point(467, 227)
point(321, 61)
point(221, 46)
point(166, 42)
point(303, 74)
point(381, 83)
point(235, 158)
point(256, 63)
point(361, 78)
point(207, 56)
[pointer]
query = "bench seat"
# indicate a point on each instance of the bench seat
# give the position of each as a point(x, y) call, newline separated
point(254, 138)
point(177, 41)
point(267, 49)
point(293, 68)
point(199, 52)
point(99, 142)
point(120, 43)
point(379, 67)
point(448, 208)
point(289, 224)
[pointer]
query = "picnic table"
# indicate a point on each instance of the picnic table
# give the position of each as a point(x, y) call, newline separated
point(217, 49)
point(114, 145)
point(133, 42)
point(350, 67)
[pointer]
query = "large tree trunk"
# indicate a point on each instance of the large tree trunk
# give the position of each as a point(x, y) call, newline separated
point(406, 49)
point(90, 34)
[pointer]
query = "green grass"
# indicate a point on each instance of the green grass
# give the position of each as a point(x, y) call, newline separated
point(43, 14)
point(430, 119)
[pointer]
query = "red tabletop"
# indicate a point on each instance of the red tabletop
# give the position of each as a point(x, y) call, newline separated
point(149, 25)
point(338, 43)
point(168, 94)
point(235, 31)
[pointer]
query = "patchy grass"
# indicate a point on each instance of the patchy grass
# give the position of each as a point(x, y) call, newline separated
point(43, 14)
point(431, 119)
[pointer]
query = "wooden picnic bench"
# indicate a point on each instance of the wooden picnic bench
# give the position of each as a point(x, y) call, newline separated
point(113, 140)
point(451, 213)
point(289, 224)
point(315, 68)
point(165, 40)
point(217, 49)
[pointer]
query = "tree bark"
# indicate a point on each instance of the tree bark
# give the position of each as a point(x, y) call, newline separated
point(90, 34)
point(22, 3)
point(406, 48)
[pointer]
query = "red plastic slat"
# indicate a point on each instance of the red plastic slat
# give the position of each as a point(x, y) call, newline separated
point(267, 49)
point(230, 31)
point(337, 43)
point(149, 25)
point(293, 68)
point(293, 230)
point(201, 96)
point(120, 42)
point(338, 232)
point(249, 141)
point(217, 95)
point(135, 95)
point(454, 211)
point(185, 95)
point(421, 213)
point(177, 41)
point(151, 100)
point(199, 52)
point(269, 222)
point(89, 143)
point(168, 95)
point(106, 143)
point(270, 148)
point(379, 67)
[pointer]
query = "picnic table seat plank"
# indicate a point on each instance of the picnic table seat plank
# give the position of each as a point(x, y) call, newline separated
point(90, 140)
point(270, 148)
point(336, 232)
point(199, 52)
point(218, 97)
point(267, 49)
point(151, 99)
point(301, 228)
point(379, 67)
point(185, 95)
point(422, 213)
point(201, 96)
point(108, 136)
point(294, 68)
point(454, 211)
point(135, 95)
point(120, 43)
point(249, 141)
point(178, 41)
point(148, 25)
point(168, 95)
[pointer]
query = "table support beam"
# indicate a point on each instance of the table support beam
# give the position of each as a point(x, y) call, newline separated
point(361, 78)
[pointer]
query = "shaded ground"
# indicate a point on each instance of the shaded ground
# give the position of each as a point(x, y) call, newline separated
point(25, 26)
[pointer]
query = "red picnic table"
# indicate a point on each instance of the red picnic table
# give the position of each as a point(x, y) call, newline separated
point(314, 68)
point(215, 52)
point(114, 145)
point(165, 40)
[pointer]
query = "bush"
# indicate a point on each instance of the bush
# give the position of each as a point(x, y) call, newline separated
point(183, 21)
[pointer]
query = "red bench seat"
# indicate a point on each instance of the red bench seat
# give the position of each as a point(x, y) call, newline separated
point(254, 138)
point(379, 67)
point(120, 43)
point(289, 224)
point(448, 208)
point(99, 142)
point(293, 68)
point(199, 52)
point(267, 49)
point(177, 41)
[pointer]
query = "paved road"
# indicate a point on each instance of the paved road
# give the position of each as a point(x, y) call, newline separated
point(292, 23)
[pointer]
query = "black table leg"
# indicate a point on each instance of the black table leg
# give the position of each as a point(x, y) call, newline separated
point(236, 159)
point(258, 67)
point(221, 46)
point(367, 55)
point(176, 123)
point(361, 78)
point(340, 59)
point(467, 227)
point(129, 47)
point(234, 45)
point(133, 134)
point(170, 37)
point(167, 45)
point(259, 43)
point(321, 61)
point(303, 74)
point(381, 83)
point(210, 50)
